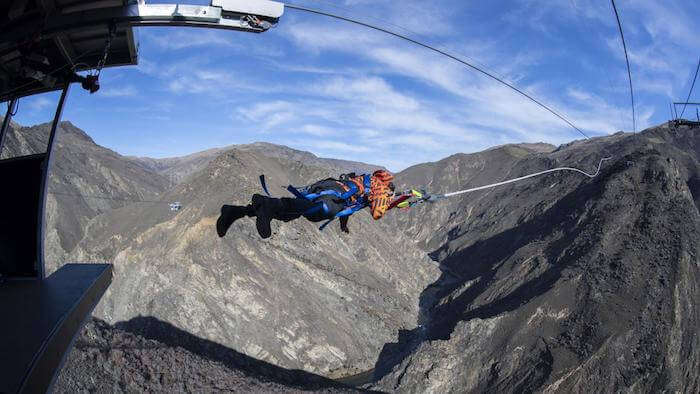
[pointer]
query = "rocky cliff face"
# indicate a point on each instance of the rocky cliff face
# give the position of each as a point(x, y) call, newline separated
point(562, 283)
point(556, 284)
point(324, 302)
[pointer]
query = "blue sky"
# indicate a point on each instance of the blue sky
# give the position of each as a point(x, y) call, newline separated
point(344, 91)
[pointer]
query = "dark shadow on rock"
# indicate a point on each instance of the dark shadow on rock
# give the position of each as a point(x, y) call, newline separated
point(694, 186)
point(480, 262)
point(152, 328)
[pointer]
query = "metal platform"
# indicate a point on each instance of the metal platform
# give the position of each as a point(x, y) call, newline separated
point(43, 43)
point(40, 320)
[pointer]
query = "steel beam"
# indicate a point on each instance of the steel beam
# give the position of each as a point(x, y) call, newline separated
point(43, 188)
point(11, 105)
point(145, 15)
point(270, 9)
point(675, 104)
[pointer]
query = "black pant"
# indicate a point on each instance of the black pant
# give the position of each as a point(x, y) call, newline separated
point(287, 209)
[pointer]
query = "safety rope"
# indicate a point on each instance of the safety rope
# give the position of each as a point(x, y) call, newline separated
point(424, 197)
point(530, 176)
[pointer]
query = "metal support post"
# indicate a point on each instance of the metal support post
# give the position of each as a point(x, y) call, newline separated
point(670, 107)
point(43, 190)
point(11, 106)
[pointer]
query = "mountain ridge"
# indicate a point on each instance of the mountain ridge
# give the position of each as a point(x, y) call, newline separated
point(556, 284)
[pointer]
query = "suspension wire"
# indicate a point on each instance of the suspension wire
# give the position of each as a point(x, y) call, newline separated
point(109, 198)
point(589, 26)
point(691, 88)
point(442, 52)
point(629, 73)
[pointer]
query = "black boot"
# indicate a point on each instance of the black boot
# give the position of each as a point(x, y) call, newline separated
point(263, 213)
point(229, 214)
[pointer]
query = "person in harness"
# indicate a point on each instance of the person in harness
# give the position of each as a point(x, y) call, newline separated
point(324, 200)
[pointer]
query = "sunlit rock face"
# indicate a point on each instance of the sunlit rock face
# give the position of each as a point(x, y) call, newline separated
point(324, 302)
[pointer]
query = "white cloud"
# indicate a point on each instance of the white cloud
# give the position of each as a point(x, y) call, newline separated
point(264, 109)
point(118, 91)
point(336, 146)
point(193, 76)
point(39, 103)
point(316, 130)
point(176, 39)
point(372, 90)
point(320, 37)
point(479, 101)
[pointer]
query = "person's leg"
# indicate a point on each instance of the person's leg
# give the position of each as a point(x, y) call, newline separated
point(284, 209)
point(231, 213)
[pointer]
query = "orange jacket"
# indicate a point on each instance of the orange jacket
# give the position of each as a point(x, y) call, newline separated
point(380, 194)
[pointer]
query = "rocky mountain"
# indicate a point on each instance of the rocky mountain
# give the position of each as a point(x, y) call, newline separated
point(263, 287)
point(325, 302)
point(561, 283)
point(335, 166)
point(179, 168)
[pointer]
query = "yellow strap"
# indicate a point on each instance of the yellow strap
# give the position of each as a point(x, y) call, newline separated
point(416, 193)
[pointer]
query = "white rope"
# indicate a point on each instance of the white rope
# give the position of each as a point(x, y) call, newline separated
point(529, 176)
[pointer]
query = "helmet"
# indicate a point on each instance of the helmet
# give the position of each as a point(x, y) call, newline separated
point(383, 175)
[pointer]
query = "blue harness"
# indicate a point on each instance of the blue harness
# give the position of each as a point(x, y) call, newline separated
point(350, 206)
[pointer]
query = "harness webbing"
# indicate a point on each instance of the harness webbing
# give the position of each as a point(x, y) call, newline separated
point(352, 201)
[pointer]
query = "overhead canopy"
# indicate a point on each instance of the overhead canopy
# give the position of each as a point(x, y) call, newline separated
point(44, 42)
point(38, 64)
